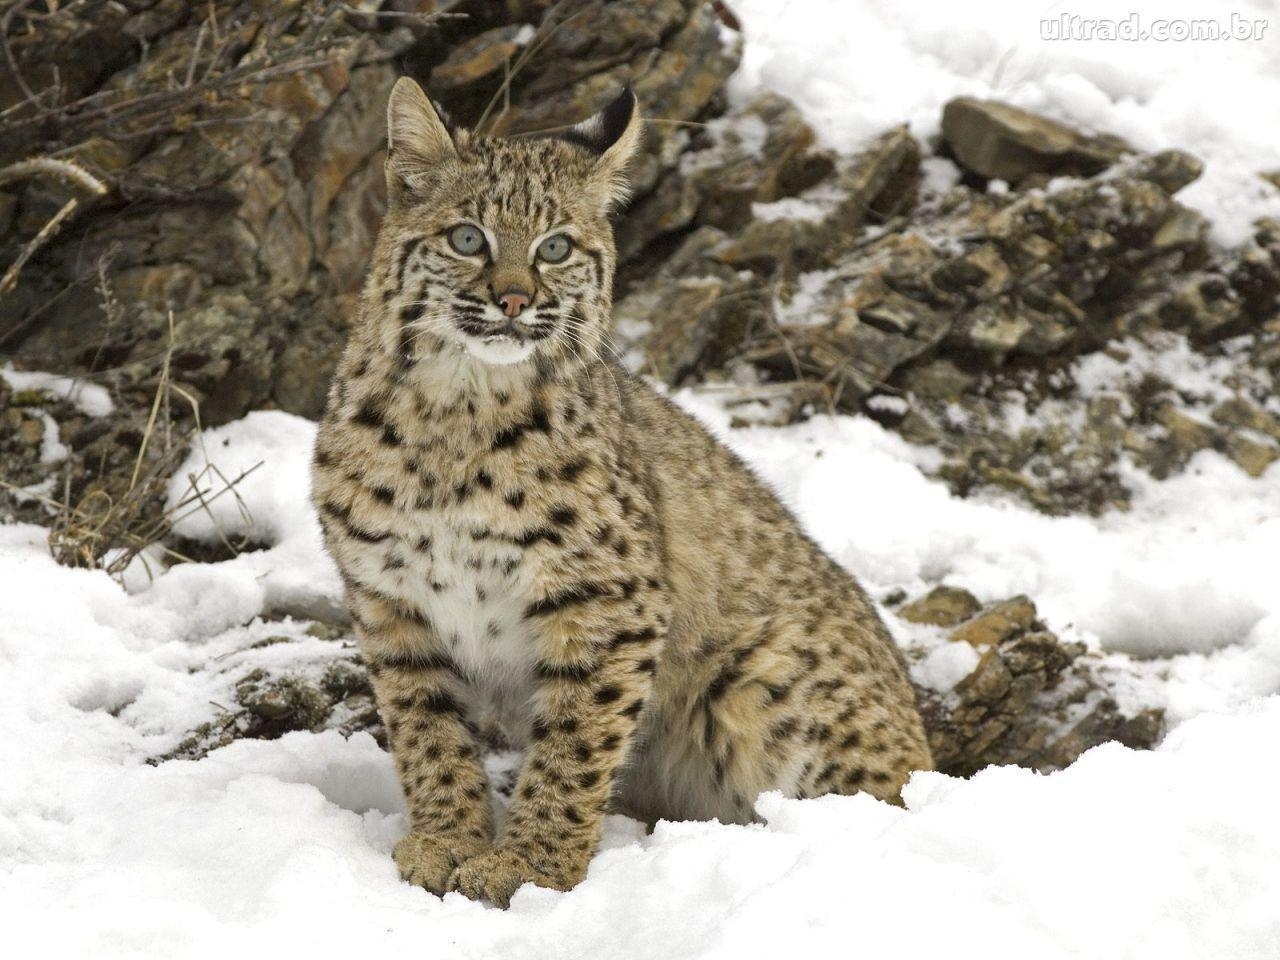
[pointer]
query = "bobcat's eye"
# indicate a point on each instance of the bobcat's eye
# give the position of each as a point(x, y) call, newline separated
point(466, 239)
point(555, 248)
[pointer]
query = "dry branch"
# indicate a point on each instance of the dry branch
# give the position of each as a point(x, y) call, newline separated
point(48, 167)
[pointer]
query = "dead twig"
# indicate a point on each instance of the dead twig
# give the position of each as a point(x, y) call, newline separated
point(19, 6)
point(504, 89)
point(60, 169)
point(81, 117)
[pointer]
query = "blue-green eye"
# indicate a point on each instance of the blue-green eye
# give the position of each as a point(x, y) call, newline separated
point(555, 248)
point(466, 239)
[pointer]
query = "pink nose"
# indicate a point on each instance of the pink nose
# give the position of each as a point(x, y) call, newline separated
point(512, 301)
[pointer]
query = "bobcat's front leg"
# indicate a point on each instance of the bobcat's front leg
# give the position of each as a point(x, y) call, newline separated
point(419, 695)
point(599, 654)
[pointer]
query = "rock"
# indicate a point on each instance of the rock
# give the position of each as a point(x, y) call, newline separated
point(269, 705)
point(999, 141)
point(1242, 413)
point(937, 379)
point(31, 431)
point(680, 331)
point(1031, 700)
point(480, 56)
point(329, 631)
point(759, 155)
point(994, 330)
point(775, 404)
point(1251, 456)
point(1170, 170)
point(873, 186)
point(1184, 437)
point(996, 623)
point(941, 607)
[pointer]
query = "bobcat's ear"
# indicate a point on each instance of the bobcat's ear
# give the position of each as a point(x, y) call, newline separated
point(418, 142)
point(614, 135)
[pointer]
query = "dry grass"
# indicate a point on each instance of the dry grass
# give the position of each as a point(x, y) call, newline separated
point(102, 531)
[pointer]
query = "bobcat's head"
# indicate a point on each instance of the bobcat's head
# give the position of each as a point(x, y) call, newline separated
point(501, 248)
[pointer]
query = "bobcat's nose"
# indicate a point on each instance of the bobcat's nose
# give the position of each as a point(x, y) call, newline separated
point(512, 301)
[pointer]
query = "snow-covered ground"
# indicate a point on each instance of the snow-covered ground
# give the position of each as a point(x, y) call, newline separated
point(282, 846)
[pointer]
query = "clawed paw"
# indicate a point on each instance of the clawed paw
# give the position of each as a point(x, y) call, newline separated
point(430, 859)
point(498, 873)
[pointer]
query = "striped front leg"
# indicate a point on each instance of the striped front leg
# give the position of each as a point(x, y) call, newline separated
point(420, 696)
point(598, 659)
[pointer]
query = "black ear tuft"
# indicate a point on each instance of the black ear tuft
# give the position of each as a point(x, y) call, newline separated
point(600, 132)
point(445, 118)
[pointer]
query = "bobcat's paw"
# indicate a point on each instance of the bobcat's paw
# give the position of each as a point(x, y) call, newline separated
point(498, 873)
point(429, 859)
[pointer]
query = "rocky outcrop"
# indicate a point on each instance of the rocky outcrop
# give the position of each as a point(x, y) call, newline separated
point(1031, 700)
point(243, 142)
point(889, 282)
point(933, 309)
point(242, 147)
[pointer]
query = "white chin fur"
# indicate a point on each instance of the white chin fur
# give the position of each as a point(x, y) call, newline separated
point(500, 353)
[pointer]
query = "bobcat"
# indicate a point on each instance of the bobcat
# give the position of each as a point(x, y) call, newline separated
point(531, 537)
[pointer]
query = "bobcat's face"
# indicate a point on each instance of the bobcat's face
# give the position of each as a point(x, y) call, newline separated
point(503, 248)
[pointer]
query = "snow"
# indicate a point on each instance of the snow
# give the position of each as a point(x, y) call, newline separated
point(284, 844)
point(260, 490)
point(945, 666)
point(89, 397)
point(858, 67)
point(52, 449)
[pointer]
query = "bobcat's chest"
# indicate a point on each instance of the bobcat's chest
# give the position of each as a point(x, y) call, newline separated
point(473, 591)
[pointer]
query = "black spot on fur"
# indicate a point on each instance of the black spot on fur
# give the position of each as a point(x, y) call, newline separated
point(563, 516)
point(369, 415)
point(569, 471)
point(529, 537)
point(537, 422)
point(439, 701)
point(578, 593)
point(634, 636)
point(575, 672)
point(608, 694)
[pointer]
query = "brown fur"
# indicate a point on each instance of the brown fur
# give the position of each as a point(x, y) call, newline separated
point(531, 536)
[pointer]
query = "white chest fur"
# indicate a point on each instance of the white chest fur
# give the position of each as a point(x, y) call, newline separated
point(474, 592)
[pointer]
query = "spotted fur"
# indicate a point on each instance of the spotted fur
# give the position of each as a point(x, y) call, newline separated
point(532, 538)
